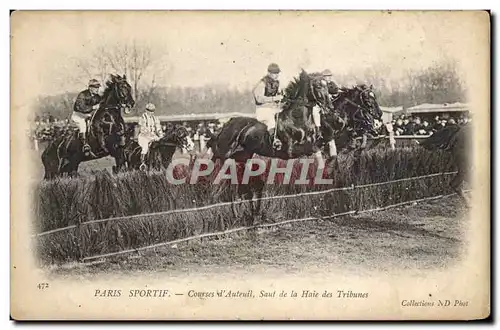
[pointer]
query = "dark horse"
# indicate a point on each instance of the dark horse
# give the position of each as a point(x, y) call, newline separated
point(160, 152)
point(457, 140)
point(105, 133)
point(242, 137)
point(353, 115)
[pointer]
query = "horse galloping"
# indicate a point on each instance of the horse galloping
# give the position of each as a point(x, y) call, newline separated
point(242, 137)
point(105, 134)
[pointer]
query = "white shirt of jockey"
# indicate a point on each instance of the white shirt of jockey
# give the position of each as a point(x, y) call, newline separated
point(150, 125)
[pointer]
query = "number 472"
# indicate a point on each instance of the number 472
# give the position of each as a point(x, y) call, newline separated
point(42, 286)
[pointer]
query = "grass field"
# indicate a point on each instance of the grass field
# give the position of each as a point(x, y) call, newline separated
point(417, 238)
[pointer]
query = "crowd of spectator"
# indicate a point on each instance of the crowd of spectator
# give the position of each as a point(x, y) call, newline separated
point(414, 125)
point(47, 128)
point(200, 133)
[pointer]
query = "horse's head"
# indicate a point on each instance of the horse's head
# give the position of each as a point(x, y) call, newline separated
point(108, 119)
point(178, 136)
point(360, 104)
point(369, 101)
point(121, 92)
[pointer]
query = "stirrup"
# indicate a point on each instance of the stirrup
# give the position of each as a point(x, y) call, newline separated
point(142, 167)
point(86, 149)
point(277, 144)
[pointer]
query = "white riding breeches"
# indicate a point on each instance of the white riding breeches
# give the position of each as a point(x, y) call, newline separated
point(203, 143)
point(332, 148)
point(80, 120)
point(266, 113)
point(316, 114)
point(144, 141)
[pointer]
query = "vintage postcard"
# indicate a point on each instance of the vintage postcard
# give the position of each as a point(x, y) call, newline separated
point(250, 165)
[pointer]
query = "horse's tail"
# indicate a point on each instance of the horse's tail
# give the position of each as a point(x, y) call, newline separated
point(50, 159)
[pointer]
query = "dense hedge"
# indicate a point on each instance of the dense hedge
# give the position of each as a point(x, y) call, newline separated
point(67, 201)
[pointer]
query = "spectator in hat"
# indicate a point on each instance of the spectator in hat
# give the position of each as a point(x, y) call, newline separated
point(399, 127)
point(451, 122)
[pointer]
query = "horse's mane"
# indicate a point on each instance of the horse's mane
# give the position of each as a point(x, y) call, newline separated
point(291, 93)
point(109, 87)
point(102, 111)
point(107, 90)
point(292, 89)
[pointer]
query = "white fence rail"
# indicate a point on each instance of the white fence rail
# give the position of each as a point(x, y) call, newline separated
point(267, 225)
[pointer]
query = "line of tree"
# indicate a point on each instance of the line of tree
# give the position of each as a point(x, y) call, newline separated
point(439, 83)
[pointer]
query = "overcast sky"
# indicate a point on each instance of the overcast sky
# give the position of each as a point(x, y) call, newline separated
point(234, 48)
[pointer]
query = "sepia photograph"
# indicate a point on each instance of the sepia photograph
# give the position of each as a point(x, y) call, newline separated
point(250, 165)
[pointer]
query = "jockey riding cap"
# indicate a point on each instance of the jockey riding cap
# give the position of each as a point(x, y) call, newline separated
point(150, 107)
point(273, 68)
point(94, 83)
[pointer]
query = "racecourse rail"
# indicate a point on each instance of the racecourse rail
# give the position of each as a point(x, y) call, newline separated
point(234, 230)
point(221, 233)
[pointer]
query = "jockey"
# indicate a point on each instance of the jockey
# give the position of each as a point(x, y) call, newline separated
point(333, 89)
point(267, 97)
point(333, 92)
point(85, 105)
point(149, 131)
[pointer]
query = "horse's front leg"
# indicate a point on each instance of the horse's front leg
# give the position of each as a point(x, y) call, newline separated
point(119, 156)
point(74, 169)
point(456, 185)
point(364, 141)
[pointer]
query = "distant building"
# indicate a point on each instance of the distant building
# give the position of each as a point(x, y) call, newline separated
point(428, 111)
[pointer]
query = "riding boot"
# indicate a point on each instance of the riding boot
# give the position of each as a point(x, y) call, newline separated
point(271, 132)
point(276, 143)
point(143, 162)
point(319, 136)
point(86, 147)
point(352, 142)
